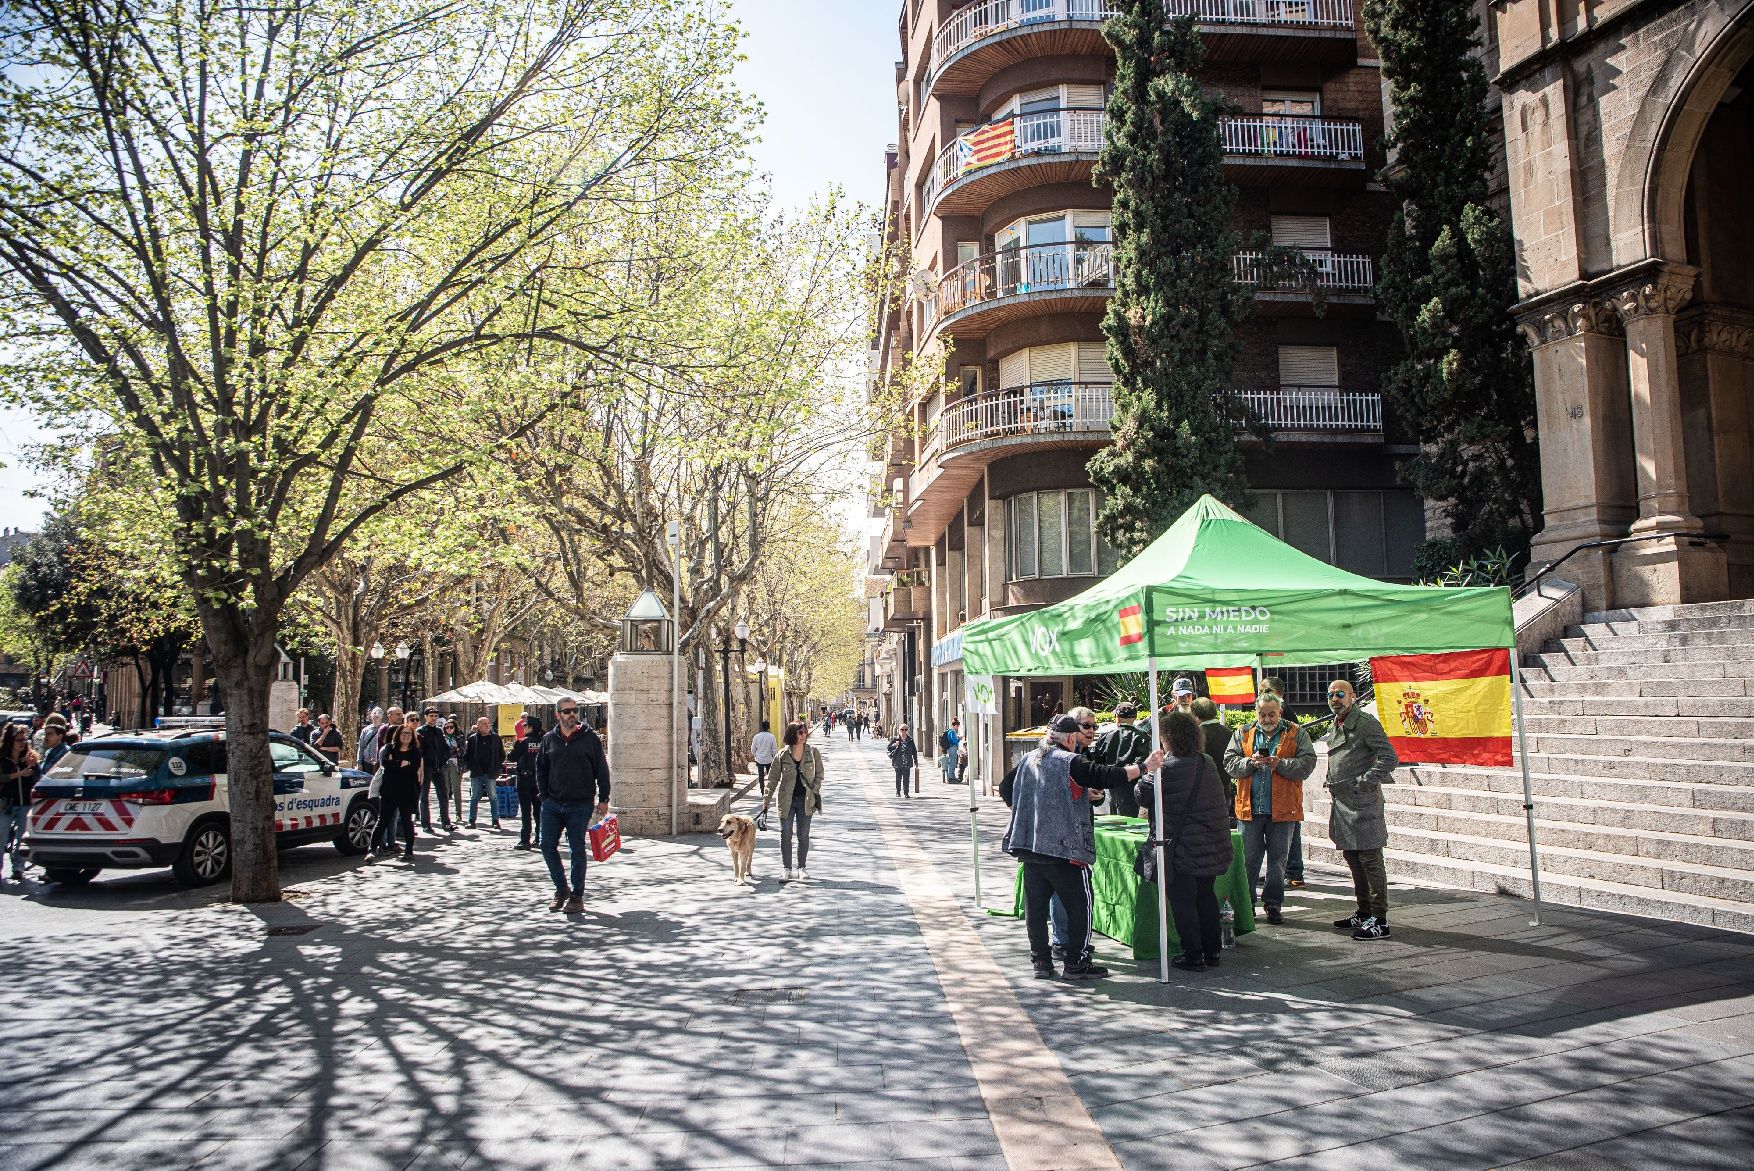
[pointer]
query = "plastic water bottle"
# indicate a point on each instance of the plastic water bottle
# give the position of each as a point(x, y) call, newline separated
point(1227, 924)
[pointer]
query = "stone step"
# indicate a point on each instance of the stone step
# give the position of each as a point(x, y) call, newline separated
point(1593, 810)
point(1579, 684)
point(1650, 657)
point(1728, 677)
point(1661, 794)
point(1660, 848)
point(1615, 707)
point(1556, 888)
point(1734, 607)
point(1723, 749)
point(1713, 726)
point(1668, 625)
point(1605, 638)
point(1690, 879)
point(1633, 768)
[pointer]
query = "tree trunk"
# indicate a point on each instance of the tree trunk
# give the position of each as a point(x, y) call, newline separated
point(255, 871)
point(712, 751)
point(349, 676)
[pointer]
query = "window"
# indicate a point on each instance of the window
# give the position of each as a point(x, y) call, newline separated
point(1053, 534)
point(969, 377)
point(1369, 532)
point(1066, 362)
point(290, 758)
point(1309, 366)
point(1304, 103)
point(1303, 231)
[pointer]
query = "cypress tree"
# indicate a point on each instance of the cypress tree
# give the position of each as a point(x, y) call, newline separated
point(1448, 282)
point(1171, 323)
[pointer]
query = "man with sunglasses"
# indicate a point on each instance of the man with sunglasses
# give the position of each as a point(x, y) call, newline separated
point(1360, 762)
point(571, 771)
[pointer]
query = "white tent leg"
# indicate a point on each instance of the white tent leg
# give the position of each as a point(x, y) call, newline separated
point(975, 765)
point(1157, 821)
point(1522, 752)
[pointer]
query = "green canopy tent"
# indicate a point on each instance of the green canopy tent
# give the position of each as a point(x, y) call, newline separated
point(1217, 590)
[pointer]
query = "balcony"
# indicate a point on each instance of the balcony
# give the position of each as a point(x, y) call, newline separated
point(906, 604)
point(984, 37)
point(1002, 286)
point(1259, 148)
point(1010, 154)
point(1347, 283)
point(1315, 410)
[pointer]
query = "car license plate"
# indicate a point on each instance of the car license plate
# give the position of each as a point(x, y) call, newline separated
point(84, 807)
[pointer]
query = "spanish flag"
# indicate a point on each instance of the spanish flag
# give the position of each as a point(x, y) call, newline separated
point(1132, 620)
point(1446, 709)
point(1231, 685)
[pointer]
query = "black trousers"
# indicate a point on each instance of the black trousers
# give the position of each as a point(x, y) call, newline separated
point(761, 777)
point(1370, 882)
point(1194, 905)
point(529, 812)
point(902, 776)
point(1043, 878)
point(426, 787)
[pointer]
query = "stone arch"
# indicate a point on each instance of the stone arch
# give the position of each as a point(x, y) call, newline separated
point(1680, 104)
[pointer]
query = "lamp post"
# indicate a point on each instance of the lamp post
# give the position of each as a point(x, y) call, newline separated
point(741, 632)
point(402, 653)
point(761, 686)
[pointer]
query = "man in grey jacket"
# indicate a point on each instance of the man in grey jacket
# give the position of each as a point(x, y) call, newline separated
point(1360, 762)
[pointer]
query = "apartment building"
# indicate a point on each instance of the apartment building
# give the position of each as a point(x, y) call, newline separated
point(987, 507)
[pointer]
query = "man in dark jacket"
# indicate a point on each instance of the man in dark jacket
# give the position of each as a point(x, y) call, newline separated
point(483, 755)
point(435, 753)
point(523, 758)
point(571, 770)
point(1217, 740)
point(904, 754)
point(1125, 743)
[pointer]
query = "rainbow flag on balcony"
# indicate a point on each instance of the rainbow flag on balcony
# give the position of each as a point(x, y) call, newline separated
point(986, 146)
point(1449, 708)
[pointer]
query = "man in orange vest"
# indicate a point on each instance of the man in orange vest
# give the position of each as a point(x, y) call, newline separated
point(1270, 759)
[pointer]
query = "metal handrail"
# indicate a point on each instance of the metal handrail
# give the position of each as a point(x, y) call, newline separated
point(1294, 136)
point(1038, 132)
point(1315, 408)
point(1035, 268)
point(1529, 583)
point(1334, 270)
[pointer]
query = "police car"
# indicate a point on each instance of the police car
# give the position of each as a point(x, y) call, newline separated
point(143, 799)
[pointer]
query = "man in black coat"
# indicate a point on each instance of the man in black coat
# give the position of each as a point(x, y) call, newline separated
point(435, 753)
point(483, 756)
point(570, 770)
point(1125, 743)
point(523, 758)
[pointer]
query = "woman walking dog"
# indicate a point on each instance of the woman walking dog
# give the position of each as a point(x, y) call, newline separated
point(797, 782)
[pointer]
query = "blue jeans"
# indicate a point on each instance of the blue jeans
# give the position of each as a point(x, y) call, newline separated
point(1057, 918)
point(1268, 840)
point(481, 785)
point(575, 818)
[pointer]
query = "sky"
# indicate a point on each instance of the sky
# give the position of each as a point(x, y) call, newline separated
point(825, 71)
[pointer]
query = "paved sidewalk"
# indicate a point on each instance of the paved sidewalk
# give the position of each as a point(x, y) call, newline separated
point(438, 1016)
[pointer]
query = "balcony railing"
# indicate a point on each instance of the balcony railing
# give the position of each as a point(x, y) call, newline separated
point(991, 17)
point(1335, 272)
point(1315, 408)
point(1291, 136)
point(1011, 272)
point(1040, 132)
point(1045, 408)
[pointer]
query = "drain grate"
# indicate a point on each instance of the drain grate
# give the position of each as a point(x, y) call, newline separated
point(748, 997)
point(299, 929)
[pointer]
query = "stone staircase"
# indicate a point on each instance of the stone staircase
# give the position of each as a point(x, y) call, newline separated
point(1641, 749)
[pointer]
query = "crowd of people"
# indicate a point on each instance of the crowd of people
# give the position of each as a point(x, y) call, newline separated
point(1208, 781)
point(27, 751)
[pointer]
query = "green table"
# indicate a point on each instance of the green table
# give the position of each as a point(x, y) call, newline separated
point(1126, 908)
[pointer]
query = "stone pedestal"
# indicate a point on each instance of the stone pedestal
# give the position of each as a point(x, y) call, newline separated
point(645, 745)
point(1668, 571)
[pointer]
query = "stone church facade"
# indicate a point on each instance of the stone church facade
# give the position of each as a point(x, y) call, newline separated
point(1629, 141)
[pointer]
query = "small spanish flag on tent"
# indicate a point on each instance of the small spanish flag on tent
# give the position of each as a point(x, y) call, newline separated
point(1231, 685)
point(990, 144)
point(1132, 620)
point(1446, 709)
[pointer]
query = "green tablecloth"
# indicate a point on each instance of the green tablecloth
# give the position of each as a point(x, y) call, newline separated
point(1126, 909)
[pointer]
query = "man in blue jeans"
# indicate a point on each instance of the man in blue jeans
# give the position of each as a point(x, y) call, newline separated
point(571, 771)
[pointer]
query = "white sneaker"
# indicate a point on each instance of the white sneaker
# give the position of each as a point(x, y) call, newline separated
point(803, 874)
point(790, 874)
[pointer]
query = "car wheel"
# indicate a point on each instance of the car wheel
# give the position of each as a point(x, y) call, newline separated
point(356, 831)
point(206, 856)
point(69, 875)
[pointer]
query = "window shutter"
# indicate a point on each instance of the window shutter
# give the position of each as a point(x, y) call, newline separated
point(1084, 97)
point(1302, 231)
point(1014, 370)
point(1309, 366)
point(1093, 363)
point(1053, 363)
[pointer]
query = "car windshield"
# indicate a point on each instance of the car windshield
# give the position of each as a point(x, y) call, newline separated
point(107, 762)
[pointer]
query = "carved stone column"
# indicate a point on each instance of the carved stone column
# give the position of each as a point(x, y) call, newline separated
point(1715, 344)
point(1661, 572)
point(1588, 485)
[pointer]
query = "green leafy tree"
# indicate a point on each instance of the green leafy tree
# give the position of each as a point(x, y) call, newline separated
point(1448, 282)
point(1171, 323)
point(277, 243)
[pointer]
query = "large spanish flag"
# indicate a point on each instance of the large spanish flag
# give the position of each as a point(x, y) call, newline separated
point(1231, 685)
point(1446, 709)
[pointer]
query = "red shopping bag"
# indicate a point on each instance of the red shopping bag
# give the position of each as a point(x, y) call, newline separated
point(605, 838)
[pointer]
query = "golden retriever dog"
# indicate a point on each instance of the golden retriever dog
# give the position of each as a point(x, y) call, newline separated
point(739, 834)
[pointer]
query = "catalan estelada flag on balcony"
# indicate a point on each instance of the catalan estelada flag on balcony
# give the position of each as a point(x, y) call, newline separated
point(1132, 620)
point(1446, 709)
point(986, 146)
point(1231, 685)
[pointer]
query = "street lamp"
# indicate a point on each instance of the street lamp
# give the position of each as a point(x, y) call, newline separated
point(402, 653)
point(741, 632)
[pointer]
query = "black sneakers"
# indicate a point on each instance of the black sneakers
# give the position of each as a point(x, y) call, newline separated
point(1372, 928)
point(1352, 924)
point(1275, 916)
point(1086, 970)
point(1043, 969)
point(1187, 964)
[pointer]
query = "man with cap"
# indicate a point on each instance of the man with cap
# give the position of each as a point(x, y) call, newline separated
point(1125, 743)
point(1181, 695)
point(1052, 836)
